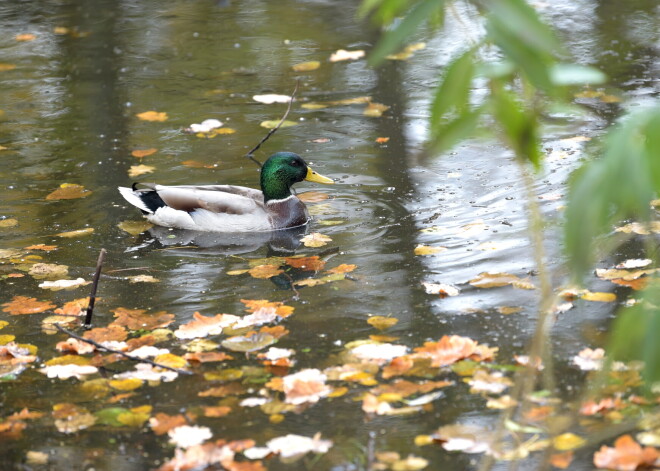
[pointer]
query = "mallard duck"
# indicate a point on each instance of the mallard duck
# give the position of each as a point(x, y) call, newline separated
point(228, 208)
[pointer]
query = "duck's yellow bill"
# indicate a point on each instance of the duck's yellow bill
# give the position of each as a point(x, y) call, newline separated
point(312, 176)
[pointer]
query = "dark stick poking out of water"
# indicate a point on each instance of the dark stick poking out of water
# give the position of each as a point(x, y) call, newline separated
point(250, 155)
point(95, 284)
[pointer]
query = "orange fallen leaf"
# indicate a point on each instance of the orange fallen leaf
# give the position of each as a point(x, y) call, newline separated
point(77, 307)
point(450, 349)
point(216, 411)
point(197, 164)
point(162, 423)
point(281, 310)
point(626, 455)
point(105, 334)
point(46, 248)
point(382, 140)
point(343, 268)
point(207, 357)
point(152, 116)
point(4, 67)
point(313, 263)
point(561, 460)
point(140, 153)
point(23, 305)
point(26, 37)
point(382, 322)
point(68, 191)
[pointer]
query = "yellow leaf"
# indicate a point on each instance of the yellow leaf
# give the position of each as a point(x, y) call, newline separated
point(133, 419)
point(4, 67)
point(306, 66)
point(171, 360)
point(152, 116)
point(422, 249)
point(599, 296)
point(492, 280)
point(567, 441)
point(68, 191)
point(127, 384)
point(135, 227)
point(11, 222)
point(315, 239)
point(3, 324)
point(506, 310)
point(313, 106)
point(375, 110)
point(382, 322)
point(271, 124)
point(76, 233)
point(265, 271)
point(423, 440)
point(276, 418)
point(5, 339)
point(137, 170)
point(237, 272)
point(68, 360)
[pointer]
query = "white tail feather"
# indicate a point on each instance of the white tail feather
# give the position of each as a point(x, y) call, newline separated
point(130, 196)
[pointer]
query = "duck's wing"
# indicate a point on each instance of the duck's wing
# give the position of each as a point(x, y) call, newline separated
point(222, 208)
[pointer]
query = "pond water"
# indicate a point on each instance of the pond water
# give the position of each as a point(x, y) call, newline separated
point(68, 115)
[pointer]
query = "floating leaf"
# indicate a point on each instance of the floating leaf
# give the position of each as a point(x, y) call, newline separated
point(186, 436)
point(428, 249)
point(137, 170)
point(20, 305)
point(306, 66)
point(63, 284)
point(265, 271)
point(10, 222)
point(68, 191)
point(375, 110)
point(272, 98)
point(272, 124)
point(139, 319)
point(407, 52)
point(143, 279)
point(76, 233)
point(315, 239)
point(152, 116)
point(250, 343)
point(5, 67)
point(599, 297)
point(568, 441)
point(135, 227)
point(344, 55)
point(343, 268)
point(382, 140)
point(205, 126)
point(382, 322)
point(203, 326)
point(313, 263)
point(443, 289)
point(48, 270)
point(162, 423)
point(68, 371)
point(25, 37)
point(450, 349)
point(140, 153)
point(493, 280)
point(46, 248)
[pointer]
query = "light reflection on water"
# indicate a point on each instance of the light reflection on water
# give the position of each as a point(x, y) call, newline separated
point(69, 117)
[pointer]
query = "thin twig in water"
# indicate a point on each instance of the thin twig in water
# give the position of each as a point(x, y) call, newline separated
point(250, 155)
point(95, 284)
point(118, 352)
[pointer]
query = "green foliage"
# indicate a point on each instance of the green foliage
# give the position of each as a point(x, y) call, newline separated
point(634, 335)
point(614, 187)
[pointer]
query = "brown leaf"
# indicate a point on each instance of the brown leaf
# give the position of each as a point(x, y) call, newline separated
point(207, 357)
point(104, 334)
point(140, 153)
point(77, 307)
point(313, 263)
point(46, 248)
point(450, 349)
point(25, 37)
point(23, 305)
point(138, 319)
point(343, 268)
point(281, 310)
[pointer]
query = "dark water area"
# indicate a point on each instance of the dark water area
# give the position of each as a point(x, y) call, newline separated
point(68, 115)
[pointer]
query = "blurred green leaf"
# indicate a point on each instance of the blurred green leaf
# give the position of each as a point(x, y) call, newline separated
point(635, 332)
point(448, 134)
point(573, 74)
point(402, 32)
point(453, 94)
point(519, 124)
point(516, 29)
point(497, 70)
point(384, 11)
point(617, 186)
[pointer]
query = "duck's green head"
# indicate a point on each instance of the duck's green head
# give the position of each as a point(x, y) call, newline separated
point(282, 170)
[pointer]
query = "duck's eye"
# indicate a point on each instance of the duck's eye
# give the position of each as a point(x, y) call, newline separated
point(295, 163)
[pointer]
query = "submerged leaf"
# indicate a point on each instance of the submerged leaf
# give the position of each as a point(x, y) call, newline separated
point(68, 191)
point(152, 116)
